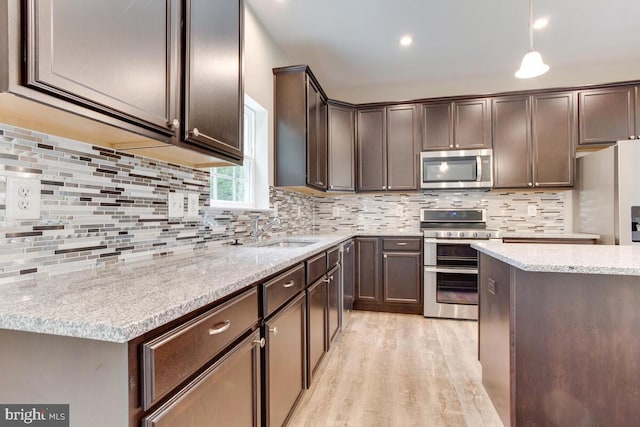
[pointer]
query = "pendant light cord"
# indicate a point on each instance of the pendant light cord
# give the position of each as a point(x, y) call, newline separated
point(530, 25)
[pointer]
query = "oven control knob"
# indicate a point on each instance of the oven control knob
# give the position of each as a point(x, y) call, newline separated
point(475, 234)
point(488, 235)
point(461, 234)
point(448, 234)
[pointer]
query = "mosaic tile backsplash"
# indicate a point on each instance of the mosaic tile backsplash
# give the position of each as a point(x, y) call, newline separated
point(101, 206)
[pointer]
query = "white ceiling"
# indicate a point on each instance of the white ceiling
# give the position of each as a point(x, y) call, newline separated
point(460, 46)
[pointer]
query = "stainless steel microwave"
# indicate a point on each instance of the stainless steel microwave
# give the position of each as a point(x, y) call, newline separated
point(456, 169)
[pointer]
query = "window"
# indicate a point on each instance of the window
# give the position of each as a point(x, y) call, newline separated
point(245, 186)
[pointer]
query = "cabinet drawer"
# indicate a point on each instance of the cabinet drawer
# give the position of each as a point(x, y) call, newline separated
point(401, 244)
point(316, 267)
point(174, 356)
point(279, 290)
point(333, 257)
point(234, 380)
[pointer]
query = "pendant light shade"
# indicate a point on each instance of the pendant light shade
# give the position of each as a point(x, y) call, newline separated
point(532, 64)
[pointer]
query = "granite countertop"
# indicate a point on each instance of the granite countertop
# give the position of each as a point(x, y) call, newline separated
point(559, 258)
point(121, 302)
point(534, 235)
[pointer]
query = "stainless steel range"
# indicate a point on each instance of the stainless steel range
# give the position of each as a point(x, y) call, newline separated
point(450, 263)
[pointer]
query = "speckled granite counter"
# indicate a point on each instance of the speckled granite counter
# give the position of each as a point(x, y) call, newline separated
point(589, 259)
point(121, 302)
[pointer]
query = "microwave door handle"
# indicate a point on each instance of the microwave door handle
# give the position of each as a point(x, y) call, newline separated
point(478, 168)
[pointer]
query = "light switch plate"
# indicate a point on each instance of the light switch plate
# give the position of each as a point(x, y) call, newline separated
point(23, 198)
point(192, 204)
point(532, 210)
point(176, 205)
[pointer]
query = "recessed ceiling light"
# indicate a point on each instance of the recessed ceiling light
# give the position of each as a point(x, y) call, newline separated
point(406, 40)
point(540, 23)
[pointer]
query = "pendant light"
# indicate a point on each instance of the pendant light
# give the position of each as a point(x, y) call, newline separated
point(532, 64)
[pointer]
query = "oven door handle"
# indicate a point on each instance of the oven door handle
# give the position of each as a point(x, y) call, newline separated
point(478, 168)
point(434, 269)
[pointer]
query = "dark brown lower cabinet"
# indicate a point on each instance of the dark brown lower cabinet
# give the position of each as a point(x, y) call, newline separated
point(389, 274)
point(226, 394)
point(401, 282)
point(335, 278)
point(317, 324)
point(285, 361)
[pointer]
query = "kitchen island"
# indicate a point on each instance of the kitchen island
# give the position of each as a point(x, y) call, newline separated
point(558, 333)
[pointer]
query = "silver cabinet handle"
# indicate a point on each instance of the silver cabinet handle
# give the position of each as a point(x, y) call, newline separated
point(260, 342)
point(274, 331)
point(402, 244)
point(220, 329)
point(331, 186)
point(289, 284)
point(435, 269)
point(174, 124)
point(331, 278)
point(320, 183)
point(326, 280)
point(195, 132)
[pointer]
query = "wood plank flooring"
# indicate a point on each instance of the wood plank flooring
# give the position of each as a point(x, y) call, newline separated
point(401, 370)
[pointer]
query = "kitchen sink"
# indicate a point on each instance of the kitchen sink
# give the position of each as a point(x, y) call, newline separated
point(288, 244)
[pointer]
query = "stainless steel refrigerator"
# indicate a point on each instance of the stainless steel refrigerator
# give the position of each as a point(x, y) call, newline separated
point(607, 194)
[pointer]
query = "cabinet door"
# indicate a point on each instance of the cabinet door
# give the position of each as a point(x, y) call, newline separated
point(317, 325)
point(285, 360)
point(213, 92)
point(348, 275)
point(341, 148)
point(437, 122)
point(316, 137)
point(606, 115)
point(372, 156)
point(367, 269)
point(511, 142)
point(227, 394)
point(472, 124)
point(335, 283)
point(402, 147)
point(116, 57)
point(553, 133)
point(401, 281)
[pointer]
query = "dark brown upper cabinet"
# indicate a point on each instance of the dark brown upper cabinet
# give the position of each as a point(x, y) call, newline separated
point(342, 151)
point(213, 69)
point(316, 137)
point(133, 66)
point(457, 125)
point(609, 115)
point(387, 144)
point(534, 140)
point(300, 129)
point(117, 57)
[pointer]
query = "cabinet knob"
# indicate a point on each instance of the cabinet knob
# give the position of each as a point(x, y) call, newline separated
point(174, 124)
point(632, 137)
point(274, 331)
point(384, 187)
point(385, 256)
point(260, 342)
point(220, 329)
point(530, 184)
point(320, 183)
point(195, 132)
point(537, 184)
point(331, 186)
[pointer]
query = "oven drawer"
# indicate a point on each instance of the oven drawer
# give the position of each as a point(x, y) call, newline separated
point(174, 356)
point(399, 244)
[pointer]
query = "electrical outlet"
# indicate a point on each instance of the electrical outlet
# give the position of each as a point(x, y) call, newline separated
point(299, 212)
point(532, 210)
point(23, 198)
point(193, 204)
point(176, 205)
point(336, 211)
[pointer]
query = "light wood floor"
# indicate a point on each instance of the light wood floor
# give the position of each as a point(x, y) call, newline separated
point(399, 370)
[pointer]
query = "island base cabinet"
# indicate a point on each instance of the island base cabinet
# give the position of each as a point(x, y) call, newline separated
point(227, 394)
point(285, 360)
point(559, 349)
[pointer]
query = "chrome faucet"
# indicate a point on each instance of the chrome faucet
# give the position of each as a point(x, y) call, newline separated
point(256, 231)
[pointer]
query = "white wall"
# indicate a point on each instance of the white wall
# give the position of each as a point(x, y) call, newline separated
point(261, 56)
point(584, 74)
